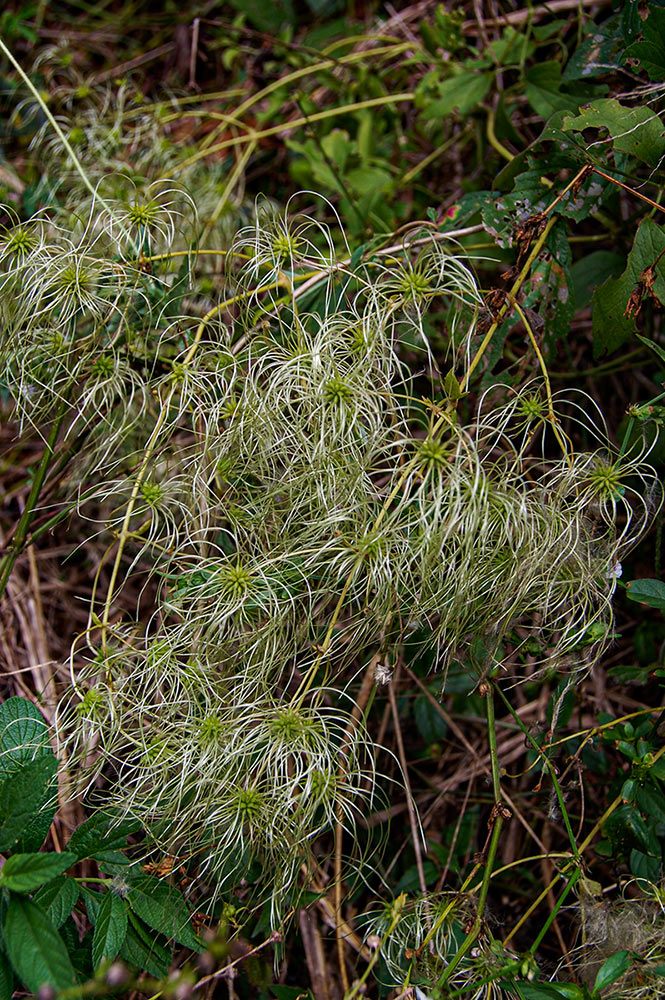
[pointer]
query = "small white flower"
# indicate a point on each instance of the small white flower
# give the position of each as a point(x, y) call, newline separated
point(383, 673)
point(614, 572)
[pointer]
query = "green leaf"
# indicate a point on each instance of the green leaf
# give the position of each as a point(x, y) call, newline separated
point(24, 736)
point(58, 898)
point(543, 90)
point(645, 866)
point(530, 196)
point(627, 830)
point(93, 900)
point(364, 180)
point(628, 790)
point(551, 286)
point(652, 802)
point(430, 724)
point(143, 953)
point(611, 327)
point(110, 929)
point(6, 978)
point(611, 970)
point(101, 833)
point(545, 991)
point(25, 872)
point(651, 50)
point(79, 949)
point(266, 15)
point(646, 591)
point(461, 93)
point(163, 908)
point(592, 270)
point(22, 795)
point(636, 131)
point(599, 53)
point(35, 949)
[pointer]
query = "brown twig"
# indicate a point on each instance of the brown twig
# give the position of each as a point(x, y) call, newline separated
point(413, 818)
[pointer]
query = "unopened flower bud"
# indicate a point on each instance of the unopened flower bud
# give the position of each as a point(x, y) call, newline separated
point(116, 975)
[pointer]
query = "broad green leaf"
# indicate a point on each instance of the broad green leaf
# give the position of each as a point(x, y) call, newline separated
point(6, 978)
point(645, 866)
point(24, 736)
point(110, 929)
point(25, 872)
point(93, 900)
point(266, 15)
point(161, 906)
point(512, 46)
point(430, 724)
point(22, 795)
point(651, 50)
point(569, 150)
point(543, 90)
point(627, 830)
point(592, 270)
point(636, 131)
point(611, 327)
point(545, 991)
point(530, 195)
point(601, 51)
point(36, 950)
point(111, 860)
point(368, 179)
point(630, 20)
point(37, 829)
point(143, 952)
point(79, 949)
point(550, 287)
point(628, 790)
point(58, 898)
point(611, 970)
point(652, 802)
point(646, 591)
point(461, 93)
point(101, 833)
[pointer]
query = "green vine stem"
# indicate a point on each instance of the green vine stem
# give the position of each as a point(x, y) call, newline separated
point(496, 820)
point(124, 531)
point(551, 771)
point(58, 131)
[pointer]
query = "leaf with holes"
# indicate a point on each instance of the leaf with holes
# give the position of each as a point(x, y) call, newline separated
point(636, 131)
point(651, 50)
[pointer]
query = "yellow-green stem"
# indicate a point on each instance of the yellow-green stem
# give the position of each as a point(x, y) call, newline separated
point(124, 530)
point(537, 247)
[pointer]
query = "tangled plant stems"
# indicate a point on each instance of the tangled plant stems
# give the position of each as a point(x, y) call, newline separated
point(268, 469)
